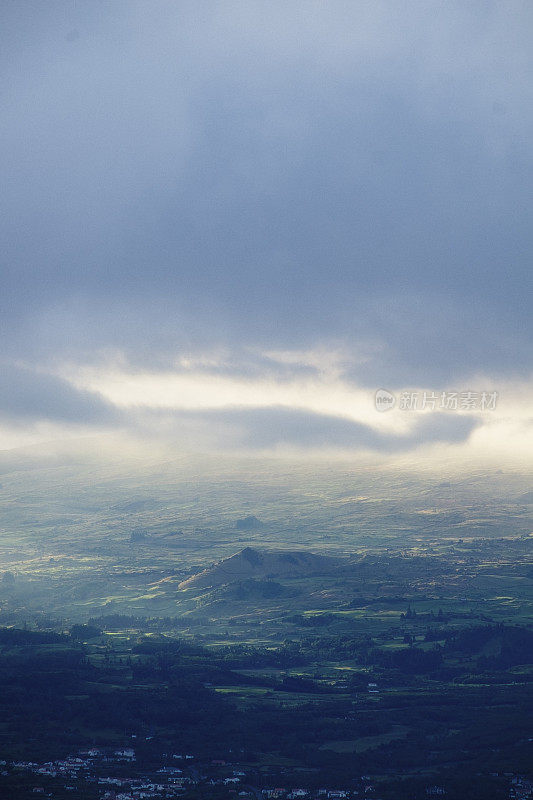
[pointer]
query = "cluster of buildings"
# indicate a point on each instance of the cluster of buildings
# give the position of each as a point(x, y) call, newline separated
point(304, 794)
point(92, 766)
point(171, 781)
point(521, 788)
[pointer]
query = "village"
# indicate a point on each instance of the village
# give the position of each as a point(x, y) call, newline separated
point(108, 774)
point(93, 768)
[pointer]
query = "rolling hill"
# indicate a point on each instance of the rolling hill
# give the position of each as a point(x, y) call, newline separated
point(261, 564)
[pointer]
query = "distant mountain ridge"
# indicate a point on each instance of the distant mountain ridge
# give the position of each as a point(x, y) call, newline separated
point(261, 564)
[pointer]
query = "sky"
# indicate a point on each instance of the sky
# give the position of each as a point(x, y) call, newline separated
point(225, 226)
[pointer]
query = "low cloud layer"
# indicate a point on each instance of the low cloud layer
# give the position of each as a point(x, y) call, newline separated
point(281, 428)
point(302, 402)
point(27, 397)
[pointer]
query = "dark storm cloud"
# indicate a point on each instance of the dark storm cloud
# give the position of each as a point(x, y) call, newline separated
point(178, 176)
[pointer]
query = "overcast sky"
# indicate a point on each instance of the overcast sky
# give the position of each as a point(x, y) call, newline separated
point(234, 221)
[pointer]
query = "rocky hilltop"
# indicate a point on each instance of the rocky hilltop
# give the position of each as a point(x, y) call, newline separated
point(261, 564)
